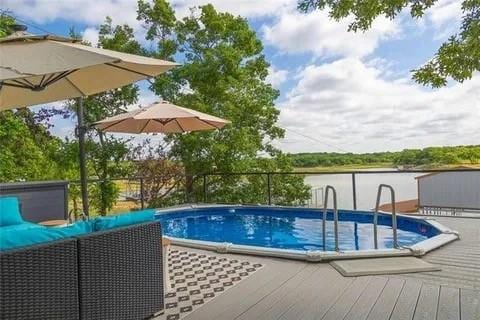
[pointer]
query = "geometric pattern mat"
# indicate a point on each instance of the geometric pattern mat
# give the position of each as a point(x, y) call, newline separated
point(196, 279)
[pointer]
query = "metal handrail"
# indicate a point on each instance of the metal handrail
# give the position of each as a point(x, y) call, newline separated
point(77, 213)
point(394, 215)
point(335, 217)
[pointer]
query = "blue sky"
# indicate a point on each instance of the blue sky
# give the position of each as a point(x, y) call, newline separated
point(340, 91)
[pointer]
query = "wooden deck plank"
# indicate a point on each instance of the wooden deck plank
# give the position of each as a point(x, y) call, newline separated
point(469, 304)
point(343, 305)
point(449, 304)
point(287, 291)
point(367, 299)
point(236, 300)
point(319, 295)
point(383, 308)
point(405, 307)
point(427, 303)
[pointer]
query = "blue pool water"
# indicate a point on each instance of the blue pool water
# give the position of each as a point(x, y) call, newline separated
point(294, 229)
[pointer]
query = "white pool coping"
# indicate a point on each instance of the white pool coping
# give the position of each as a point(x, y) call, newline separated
point(445, 236)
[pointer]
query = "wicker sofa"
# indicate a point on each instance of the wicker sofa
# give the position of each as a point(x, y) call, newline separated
point(114, 274)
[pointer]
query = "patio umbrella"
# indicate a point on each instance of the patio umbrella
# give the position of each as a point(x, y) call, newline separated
point(161, 117)
point(38, 69)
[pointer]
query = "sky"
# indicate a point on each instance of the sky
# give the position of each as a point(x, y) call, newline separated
point(340, 91)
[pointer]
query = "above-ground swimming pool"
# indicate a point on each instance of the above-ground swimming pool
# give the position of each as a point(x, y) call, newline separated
point(292, 231)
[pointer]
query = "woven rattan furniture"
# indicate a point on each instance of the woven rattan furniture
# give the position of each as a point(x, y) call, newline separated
point(120, 273)
point(40, 282)
point(114, 274)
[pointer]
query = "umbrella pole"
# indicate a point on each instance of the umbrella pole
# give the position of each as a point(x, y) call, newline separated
point(81, 144)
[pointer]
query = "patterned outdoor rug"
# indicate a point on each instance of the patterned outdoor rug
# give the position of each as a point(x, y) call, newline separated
point(198, 278)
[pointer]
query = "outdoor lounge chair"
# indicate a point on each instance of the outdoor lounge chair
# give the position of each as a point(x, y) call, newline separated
point(112, 272)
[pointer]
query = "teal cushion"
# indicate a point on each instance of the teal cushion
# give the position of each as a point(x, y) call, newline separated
point(12, 237)
point(9, 211)
point(76, 229)
point(122, 220)
point(21, 226)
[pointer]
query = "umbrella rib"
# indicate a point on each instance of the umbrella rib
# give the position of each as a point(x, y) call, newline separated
point(21, 85)
point(210, 124)
point(176, 120)
point(113, 124)
point(64, 74)
point(77, 88)
point(146, 124)
point(129, 70)
point(41, 81)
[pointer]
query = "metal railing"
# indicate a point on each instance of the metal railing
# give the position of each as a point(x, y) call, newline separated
point(208, 194)
point(394, 215)
point(207, 186)
point(335, 217)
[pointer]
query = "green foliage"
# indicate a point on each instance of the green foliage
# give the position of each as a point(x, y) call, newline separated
point(328, 159)
point(28, 151)
point(222, 73)
point(430, 156)
point(458, 58)
point(6, 22)
point(439, 156)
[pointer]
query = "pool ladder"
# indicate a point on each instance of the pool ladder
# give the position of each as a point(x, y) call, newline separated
point(394, 215)
point(375, 216)
point(335, 217)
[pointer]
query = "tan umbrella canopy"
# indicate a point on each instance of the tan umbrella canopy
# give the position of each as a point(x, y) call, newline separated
point(37, 69)
point(161, 117)
point(40, 69)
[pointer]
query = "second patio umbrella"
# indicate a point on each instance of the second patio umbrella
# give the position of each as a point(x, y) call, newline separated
point(161, 117)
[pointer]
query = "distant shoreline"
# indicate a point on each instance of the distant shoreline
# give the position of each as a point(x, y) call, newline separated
point(380, 166)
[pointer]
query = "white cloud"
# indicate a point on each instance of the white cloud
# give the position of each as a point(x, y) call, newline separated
point(276, 76)
point(245, 8)
point(349, 104)
point(91, 12)
point(317, 33)
point(90, 35)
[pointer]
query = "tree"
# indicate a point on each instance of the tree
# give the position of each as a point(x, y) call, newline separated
point(6, 23)
point(161, 176)
point(28, 151)
point(223, 73)
point(458, 58)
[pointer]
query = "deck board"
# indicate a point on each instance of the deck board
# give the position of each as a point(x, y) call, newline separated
point(318, 296)
point(343, 305)
point(469, 304)
point(383, 308)
point(427, 303)
point(367, 299)
point(407, 301)
point(449, 304)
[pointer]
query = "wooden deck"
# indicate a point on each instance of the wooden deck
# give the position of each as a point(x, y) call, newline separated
point(286, 289)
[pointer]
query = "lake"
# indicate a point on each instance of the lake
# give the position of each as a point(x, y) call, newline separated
point(404, 183)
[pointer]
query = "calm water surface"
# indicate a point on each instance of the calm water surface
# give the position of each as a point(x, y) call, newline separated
point(404, 183)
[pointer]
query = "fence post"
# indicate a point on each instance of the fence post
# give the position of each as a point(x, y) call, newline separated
point(354, 190)
point(142, 198)
point(269, 186)
point(204, 188)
